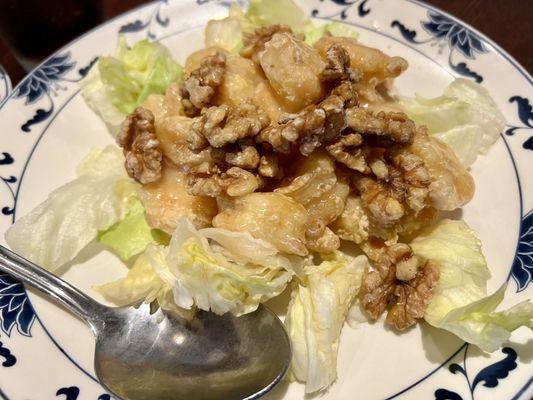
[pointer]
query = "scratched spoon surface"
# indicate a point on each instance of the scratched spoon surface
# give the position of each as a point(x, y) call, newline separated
point(151, 356)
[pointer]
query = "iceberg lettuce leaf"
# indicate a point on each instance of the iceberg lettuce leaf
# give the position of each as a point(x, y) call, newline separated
point(146, 282)
point(212, 280)
point(287, 12)
point(316, 314)
point(129, 237)
point(313, 34)
point(465, 117)
point(54, 232)
point(116, 85)
point(227, 33)
point(460, 303)
point(478, 322)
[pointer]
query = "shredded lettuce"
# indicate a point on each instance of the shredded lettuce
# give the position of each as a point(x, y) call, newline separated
point(227, 33)
point(146, 281)
point(287, 12)
point(312, 35)
point(129, 237)
point(243, 248)
point(116, 85)
point(213, 280)
point(201, 274)
point(478, 322)
point(465, 117)
point(54, 232)
point(460, 303)
point(316, 314)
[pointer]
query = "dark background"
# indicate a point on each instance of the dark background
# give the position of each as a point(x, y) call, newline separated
point(508, 22)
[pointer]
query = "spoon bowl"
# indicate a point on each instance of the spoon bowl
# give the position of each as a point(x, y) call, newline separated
point(145, 355)
point(151, 356)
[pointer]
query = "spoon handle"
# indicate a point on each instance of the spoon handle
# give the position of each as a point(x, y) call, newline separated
point(67, 295)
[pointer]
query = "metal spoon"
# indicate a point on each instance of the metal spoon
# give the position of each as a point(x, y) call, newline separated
point(149, 356)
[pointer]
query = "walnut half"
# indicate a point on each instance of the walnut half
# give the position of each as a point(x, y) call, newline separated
point(141, 147)
point(199, 88)
point(223, 125)
point(408, 297)
point(413, 297)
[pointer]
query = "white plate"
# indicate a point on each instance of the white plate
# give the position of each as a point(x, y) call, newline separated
point(47, 129)
point(5, 84)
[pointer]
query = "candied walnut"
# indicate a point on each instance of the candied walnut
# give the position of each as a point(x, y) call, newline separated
point(354, 159)
point(293, 69)
point(407, 269)
point(451, 185)
point(247, 157)
point(388, 128)
point(413, 167)
point(415, 177)
point(334, 107)
point(398, 189)
point(379, 168)
point(269, 166)
point(141, 147)
point(273, 217)
point(254, 42)
point(377, 68)
point(413, 297)
point(211, 186)
point(347, 91)
point(309, 128)
point(338, 65)
point(221, 125)
point(353, 224)
point(379, 285)
point(167, 200)
point(280, 137)
point(241, 77)
point(384, 204)
point(234, 182)
point(397, 281)
point(198, 89)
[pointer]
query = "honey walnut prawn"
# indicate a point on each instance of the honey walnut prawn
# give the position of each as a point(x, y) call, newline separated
point(278, 160)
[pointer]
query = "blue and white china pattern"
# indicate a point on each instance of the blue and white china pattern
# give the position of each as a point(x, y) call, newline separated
point(39, 92)
point(525, 114)
point(45, 81)
point(522, 270)
point(488, 376)
point(15, 309)
point(9, 182)
point(343, 7)
point(5, 84)
point(73, 392)
point(446, 31)
point(146, 25)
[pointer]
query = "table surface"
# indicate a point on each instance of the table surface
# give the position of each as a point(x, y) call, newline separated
point(508, 22)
